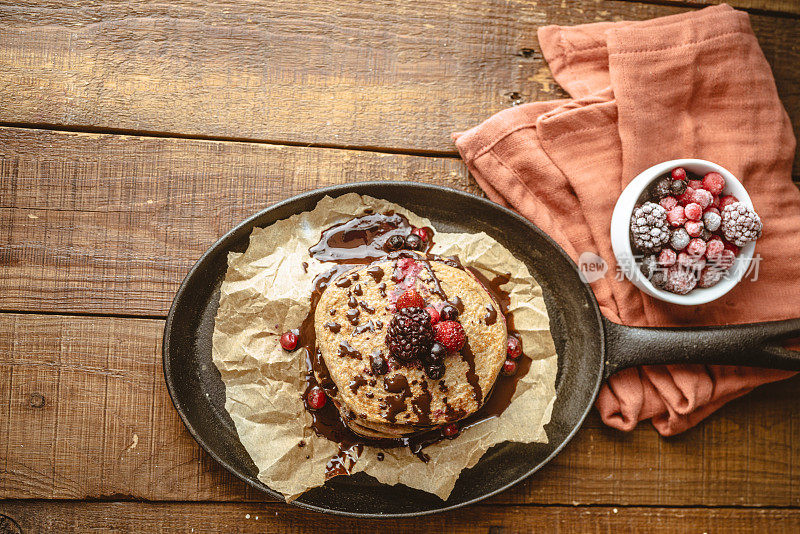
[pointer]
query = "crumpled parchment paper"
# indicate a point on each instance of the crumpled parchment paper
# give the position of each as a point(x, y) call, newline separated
point(266, 292)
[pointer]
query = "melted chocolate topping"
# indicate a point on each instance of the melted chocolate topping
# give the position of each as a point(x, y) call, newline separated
point(333, 327)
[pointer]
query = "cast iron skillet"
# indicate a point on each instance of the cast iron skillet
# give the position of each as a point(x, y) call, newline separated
point(590, 348)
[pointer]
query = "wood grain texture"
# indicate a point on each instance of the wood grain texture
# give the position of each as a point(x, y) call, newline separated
point(61, 517)
point(86, 415)
point(400, 75)
point(111, 224)
point(778, 7)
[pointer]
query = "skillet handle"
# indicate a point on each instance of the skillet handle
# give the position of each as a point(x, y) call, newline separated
point(750, 345)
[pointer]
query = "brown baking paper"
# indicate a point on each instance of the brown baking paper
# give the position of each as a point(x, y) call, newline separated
point(266, 292)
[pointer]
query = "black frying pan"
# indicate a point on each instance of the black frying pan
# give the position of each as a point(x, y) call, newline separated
point(590, 348)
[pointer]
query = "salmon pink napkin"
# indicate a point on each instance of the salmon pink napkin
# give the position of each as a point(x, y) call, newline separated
point(694, 85)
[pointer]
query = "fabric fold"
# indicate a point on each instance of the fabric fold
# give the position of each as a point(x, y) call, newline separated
point(694, 84)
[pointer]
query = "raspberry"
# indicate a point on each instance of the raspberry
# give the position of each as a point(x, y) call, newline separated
point(694, 228)
point(695, 184)
point(676, 216)
point(668, 203)
point(679, 239)
point(667, 257)
point(714, 249)
point(450, 334)
point(509, 367)
point(678, 173)
point(513, 348)
point(711, 221)
point(410, 334)
point(410, 299)
point(451, 430)
point(696, 247)
point(726, 259)
point(679, 280)
point(289, 340)
point(693, 211)
point(686, 197)
point(702, 197)
point(726, 200)
point(422, 233)
point(710, 276)
point(316, 398)
point(434, 313)
point(714, 183)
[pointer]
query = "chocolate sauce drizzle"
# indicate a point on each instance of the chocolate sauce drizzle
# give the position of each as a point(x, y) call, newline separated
point(362, 241)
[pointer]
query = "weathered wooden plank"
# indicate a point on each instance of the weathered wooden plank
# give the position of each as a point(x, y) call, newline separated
point(111, 224)
point(89, 417)
point(778, 7)
point(400, 75)
point(67, 517)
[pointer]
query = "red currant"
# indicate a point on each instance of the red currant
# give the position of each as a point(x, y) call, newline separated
point(289, 340)
point(316, 398)
point(514, 348)
point(679, 173)
point(509, 367)
point(451, 430)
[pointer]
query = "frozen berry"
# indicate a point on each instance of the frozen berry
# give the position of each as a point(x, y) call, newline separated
point(686, 197)
point(711, 209)
point(702, 197)
point(667, 257)
point(705, 235)
point(668, 203)
point(715, 201)
point(710, 276)
point(396, 242)
point(678, 187)
point(730, 246)
point(451, 430)
point(435, 371)
point(712, 221)
point(450, 334)
point(695, 184)
point(434, 313)
point(679, 280)
point(693, 211)
point(726, 259)
point(676, 216)
point(509, 367)
point(694, 228)
point(696, 247)
point(316, 398)
point(448, 313)
point(678, 173)
point(740, 224)
point(714, 249)
point(726, 200)
point(289, 340)
point(422, 233)
point(413, 242)
point(714, 183)
point(661, 188)
point(513, 348)
point(679, 239)
point(649, 229)
point(410, 299)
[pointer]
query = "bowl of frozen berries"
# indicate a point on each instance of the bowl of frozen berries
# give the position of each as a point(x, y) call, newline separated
point(684, 231)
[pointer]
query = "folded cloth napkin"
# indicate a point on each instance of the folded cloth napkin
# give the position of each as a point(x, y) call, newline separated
point(690, 85)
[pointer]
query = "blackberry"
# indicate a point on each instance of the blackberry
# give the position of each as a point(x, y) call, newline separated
point(740, 224)
point(678, 187)
point(410, 334)
point(649, 228)
point(662, 188)
point(396, 242)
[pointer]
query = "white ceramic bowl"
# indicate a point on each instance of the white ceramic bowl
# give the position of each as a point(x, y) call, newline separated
point(621, 238)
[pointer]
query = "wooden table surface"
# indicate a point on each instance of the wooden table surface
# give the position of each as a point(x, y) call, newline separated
point(133, 135)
